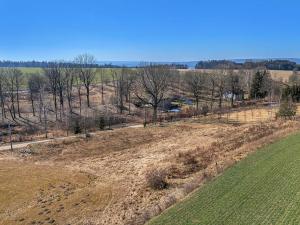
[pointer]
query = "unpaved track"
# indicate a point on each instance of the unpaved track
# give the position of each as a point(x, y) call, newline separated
point(25, 144)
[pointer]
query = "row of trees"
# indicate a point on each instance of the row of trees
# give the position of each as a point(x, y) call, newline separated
point(61, 86)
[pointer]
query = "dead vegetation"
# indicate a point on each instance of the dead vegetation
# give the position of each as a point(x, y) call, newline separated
point(125, 176)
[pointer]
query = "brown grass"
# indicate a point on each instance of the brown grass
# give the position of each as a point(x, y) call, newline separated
point(35, 194)
point(111, 167)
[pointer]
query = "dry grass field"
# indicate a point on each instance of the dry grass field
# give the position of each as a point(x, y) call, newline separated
point(101, 180)
point(279, 75)
point(254, 115)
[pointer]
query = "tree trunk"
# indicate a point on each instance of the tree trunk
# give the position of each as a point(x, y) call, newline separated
point(129, 101)
point(102, 93)
point(79, 98)
point(55, 105)
point(32, 104)
point(40, 106)
point(70, 105)
point(45, 122)
point(212, 97)
point(2, 103)
point(88, 96)
point(18, 101)
point(154, 113)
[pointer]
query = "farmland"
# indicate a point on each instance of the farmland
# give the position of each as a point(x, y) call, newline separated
point(263, 189)
point(279, 75)
point(122, 150)
point(101, 180)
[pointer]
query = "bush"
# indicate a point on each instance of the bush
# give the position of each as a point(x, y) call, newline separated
point(76, 126)
point(156, 179)
point(101, 123)
point(204, 110)
point(187, 158)
point(287, 110)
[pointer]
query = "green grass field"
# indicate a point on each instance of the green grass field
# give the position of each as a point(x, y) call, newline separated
point(28, 71)
point(262, 189)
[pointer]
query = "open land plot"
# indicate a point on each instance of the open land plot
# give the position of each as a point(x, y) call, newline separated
point(279, 75)
point(252, 115)
point(101, 180)
point(262, 189)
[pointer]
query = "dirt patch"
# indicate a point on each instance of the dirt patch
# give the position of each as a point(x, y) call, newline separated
point(36, 194)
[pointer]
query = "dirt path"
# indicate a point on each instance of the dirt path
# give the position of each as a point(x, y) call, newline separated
point(25, 144)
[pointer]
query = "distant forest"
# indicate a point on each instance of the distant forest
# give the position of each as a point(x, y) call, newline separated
point(45, 64)
point(266, 64)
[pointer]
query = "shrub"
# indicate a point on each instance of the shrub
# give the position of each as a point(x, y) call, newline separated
point(101, 123)
point(156, 179)
point(287, 110)
point(204, 110)
point(76, 126)
point(187, 158)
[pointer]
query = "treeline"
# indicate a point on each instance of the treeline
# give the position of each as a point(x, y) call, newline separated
point(177, 66)
point(265, 64)
point(45, 64)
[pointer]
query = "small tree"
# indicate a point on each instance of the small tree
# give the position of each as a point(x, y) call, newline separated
point(287, 109)
point(260, 85)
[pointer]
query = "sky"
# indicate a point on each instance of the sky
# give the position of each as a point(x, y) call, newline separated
point(153, 30)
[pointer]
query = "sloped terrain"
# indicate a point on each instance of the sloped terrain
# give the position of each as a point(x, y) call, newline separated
point(262, 189)
point(101, 180)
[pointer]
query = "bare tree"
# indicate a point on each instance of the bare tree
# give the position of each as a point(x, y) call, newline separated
point(130, 77)
point(195, 83)
point(87, 72)
point(78, 87)
point(2, 93)
point(233, 83)
point(211, 82)
point(36, 84)
point(11, 92)
point(61, 86)
point(17, 75)
point(151, 85)
point(52, 73)
point(69, 74)
point(102, 80)
point(120, 79)
point(220, 83)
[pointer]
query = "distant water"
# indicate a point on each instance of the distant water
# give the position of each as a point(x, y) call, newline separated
point(190, 64)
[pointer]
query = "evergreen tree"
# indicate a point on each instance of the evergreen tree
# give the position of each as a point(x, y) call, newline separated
point(259, 85)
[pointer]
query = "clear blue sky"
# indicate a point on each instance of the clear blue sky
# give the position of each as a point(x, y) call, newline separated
point(153, 30)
